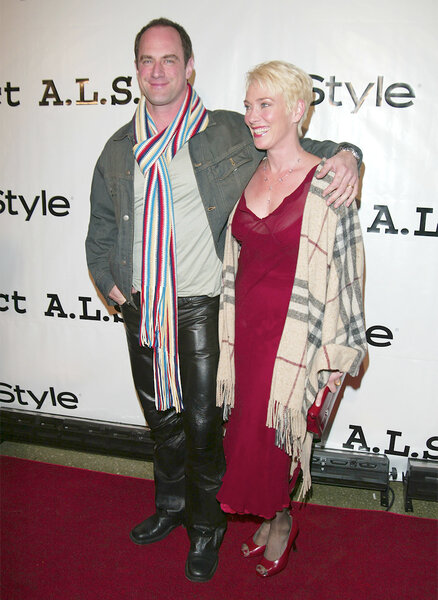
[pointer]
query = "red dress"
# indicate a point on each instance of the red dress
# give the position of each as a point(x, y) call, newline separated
point(256, 480)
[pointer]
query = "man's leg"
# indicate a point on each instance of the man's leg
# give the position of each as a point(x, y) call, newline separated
point(204, 462)
point(168, 435)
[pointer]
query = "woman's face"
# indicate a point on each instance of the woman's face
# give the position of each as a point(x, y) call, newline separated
point(266, 116)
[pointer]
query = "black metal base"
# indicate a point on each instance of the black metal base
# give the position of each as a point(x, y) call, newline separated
point(75, 433)
point(420, 481)
point(353, 469)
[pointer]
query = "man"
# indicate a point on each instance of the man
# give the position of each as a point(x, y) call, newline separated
point(162, 191)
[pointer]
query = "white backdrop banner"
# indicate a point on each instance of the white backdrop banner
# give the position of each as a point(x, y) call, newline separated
point(67, 82)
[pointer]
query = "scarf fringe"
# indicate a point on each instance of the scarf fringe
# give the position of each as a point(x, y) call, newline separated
point(292, 437)
point(168, 393)
point(225, 391)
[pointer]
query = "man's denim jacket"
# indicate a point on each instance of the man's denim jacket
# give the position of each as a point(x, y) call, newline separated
point(224, 159)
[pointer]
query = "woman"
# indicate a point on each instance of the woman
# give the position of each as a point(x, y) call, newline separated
point(291, 318)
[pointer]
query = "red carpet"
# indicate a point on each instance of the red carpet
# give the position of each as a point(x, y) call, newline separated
point(65, 537)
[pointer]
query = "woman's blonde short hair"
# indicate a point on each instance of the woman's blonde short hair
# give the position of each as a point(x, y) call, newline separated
point(281, 77)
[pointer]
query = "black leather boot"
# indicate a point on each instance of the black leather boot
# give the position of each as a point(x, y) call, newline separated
point(203, 556)
point(156, 527)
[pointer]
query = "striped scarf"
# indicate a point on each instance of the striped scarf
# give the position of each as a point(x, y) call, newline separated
point(158, 325)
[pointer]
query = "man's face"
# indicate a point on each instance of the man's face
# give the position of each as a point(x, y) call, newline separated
point(161, 73)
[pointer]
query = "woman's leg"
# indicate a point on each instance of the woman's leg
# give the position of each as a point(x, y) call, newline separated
point(278, 537)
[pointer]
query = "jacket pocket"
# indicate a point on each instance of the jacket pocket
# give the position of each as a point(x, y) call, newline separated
point(230, 164)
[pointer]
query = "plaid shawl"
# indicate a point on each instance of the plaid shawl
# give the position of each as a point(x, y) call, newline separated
point(324, 329)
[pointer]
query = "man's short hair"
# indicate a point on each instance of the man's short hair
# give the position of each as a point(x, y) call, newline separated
point(163, 22)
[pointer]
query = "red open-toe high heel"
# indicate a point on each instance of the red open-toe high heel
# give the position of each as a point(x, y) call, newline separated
point(275, 566)
point(253, 549)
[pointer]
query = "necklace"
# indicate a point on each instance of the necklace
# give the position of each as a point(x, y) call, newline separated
point(280, 179)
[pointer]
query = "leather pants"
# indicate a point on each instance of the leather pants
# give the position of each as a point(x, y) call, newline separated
point(188, 454)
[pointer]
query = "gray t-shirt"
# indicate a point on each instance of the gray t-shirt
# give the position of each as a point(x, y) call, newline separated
point(198, 268)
